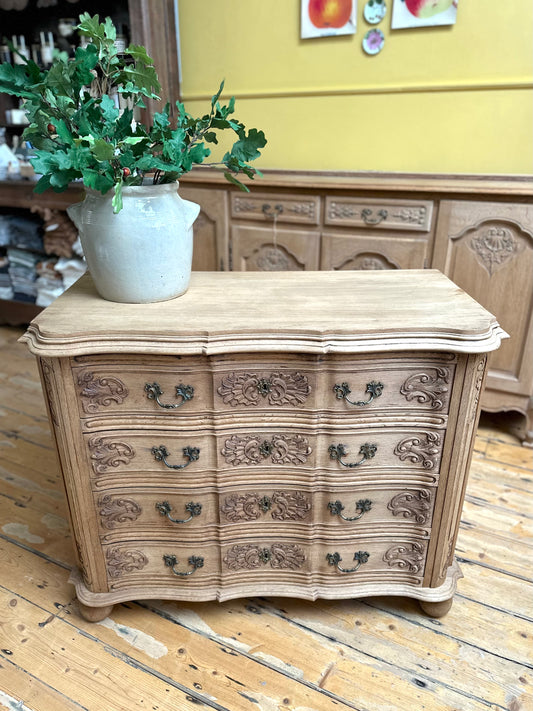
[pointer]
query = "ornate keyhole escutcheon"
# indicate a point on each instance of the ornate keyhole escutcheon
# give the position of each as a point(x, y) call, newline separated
point(194, 561)
point(154, 392)
point(361, 557)
point(161, 453)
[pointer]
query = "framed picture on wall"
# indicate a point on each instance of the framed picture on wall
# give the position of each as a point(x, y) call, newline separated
point(423, 13)
point(327, 18)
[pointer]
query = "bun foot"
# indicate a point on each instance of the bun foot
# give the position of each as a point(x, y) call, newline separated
point(436, 609)
point(94, 614)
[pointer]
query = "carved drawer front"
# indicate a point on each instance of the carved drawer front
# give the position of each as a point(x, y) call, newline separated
point(302, 209)
point(412, 215)
point(366, 386)
point(332, 563)
point(376, 510)
point(137, 513)
point(174, 388)
point(354, 451)
point(161, 565)
point(140, 457)
point(249, 389)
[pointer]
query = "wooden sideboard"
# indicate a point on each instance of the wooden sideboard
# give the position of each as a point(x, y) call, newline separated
point(478, 230)
point(284, 434)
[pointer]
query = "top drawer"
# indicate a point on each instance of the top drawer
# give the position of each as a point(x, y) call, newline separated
point(301, 209)
point(412, 215)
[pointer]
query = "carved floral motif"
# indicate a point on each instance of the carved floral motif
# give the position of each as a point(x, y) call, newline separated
point(254, 449)
point(406, 556)
point(412, 504)
point(428, 388)
point(116, 510)
point(423, 448)
point(278, 555)
point(273, 258)
point(282, 506)
point(106, 453)
point(100, 392)
point(494, 245)
point(124, 560)
point(291, 388)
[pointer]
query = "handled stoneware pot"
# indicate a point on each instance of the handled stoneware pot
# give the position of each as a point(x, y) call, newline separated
point(144, 253)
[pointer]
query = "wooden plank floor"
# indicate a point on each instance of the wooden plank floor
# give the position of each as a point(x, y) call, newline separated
point(261, 654)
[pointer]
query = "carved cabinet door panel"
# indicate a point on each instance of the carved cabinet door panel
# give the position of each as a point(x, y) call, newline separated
point(210, 249)
point(368, 250)
point(271, 249)
point(486, 248)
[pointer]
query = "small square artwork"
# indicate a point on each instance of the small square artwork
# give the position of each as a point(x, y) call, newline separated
point(423, 13)
point(327, 18)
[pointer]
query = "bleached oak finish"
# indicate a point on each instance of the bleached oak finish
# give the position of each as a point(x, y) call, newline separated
point(304, 435)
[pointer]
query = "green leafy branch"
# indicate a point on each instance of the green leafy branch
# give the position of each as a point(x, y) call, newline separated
point(79, 132)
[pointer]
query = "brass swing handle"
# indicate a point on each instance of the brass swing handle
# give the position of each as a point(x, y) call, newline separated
point(336, 508)
point(165, 509)
point(185, 392)
point(342, 391)
point(361, 557)
point(161, 453)
point(338, 451)
point(366, 214)
point(194, 561)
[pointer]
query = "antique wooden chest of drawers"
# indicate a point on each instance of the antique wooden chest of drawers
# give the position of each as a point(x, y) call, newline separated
point(300, 434)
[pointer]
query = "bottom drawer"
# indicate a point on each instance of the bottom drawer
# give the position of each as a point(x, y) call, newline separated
point(157, 566)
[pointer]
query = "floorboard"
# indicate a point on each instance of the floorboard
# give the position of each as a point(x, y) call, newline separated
point(261, 654)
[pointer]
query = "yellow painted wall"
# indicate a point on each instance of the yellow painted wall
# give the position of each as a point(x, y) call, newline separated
point(455, 99)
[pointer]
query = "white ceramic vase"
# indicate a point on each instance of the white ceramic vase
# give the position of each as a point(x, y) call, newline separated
point(144, 253)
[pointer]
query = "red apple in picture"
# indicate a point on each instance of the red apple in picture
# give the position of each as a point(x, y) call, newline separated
point(427, 8)
point(330, 13)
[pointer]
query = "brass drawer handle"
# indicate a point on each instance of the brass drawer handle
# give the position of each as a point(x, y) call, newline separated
point(165, 509)
point(338, 451)
point(336, 508)
point(161, 453)
point(185, 392)
point(194, 561)
point(334, 559)
point(366, 214)
point(342, 391)
point(272, 213)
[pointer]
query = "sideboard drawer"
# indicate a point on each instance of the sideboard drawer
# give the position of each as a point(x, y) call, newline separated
point(163, 565)
point(301, 209)
point(330, 563)
point(412, 215)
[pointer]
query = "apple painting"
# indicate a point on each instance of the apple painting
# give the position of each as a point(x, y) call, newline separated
point(427, 8)
point(330, 13)
point(423, 13)
point(323, 18)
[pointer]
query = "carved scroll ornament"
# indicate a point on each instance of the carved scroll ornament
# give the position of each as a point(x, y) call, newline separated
point(100, 392)
point(282, 506)
point(124, 560)
point(290, 388)
point(115, 510)
point(428, 388)
point(106, 453)
point(279, 556)
point(415, 505)
point(406, 556)
point(423, 448)
point(254, 449)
